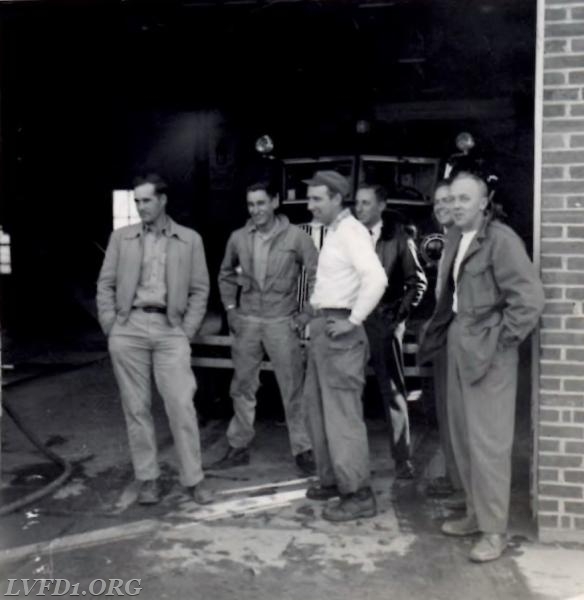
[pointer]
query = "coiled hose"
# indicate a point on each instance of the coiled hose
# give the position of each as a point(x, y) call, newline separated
point(50, 487)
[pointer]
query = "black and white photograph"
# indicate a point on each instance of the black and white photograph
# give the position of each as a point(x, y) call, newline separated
point(292, 299)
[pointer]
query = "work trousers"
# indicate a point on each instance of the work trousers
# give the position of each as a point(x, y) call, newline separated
point(386, 346)
point(148, 344)
point(281, 343)
point(482, 420)
point(440, 372)
point(335, 377)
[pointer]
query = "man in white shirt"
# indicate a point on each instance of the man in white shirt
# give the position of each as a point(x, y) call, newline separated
point(349, 283)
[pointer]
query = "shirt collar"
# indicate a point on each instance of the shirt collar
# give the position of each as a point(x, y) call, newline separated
point(376, 229)
point(340, 217)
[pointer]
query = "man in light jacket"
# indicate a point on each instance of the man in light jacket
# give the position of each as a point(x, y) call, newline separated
point(151, 298)
point(490, 300)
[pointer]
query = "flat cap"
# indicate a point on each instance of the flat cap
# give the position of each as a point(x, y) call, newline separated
point(333, 180)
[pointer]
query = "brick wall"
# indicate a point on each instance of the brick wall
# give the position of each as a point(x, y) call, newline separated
point(560, 420)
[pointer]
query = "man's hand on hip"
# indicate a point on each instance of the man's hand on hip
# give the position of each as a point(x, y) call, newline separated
point(337, 327)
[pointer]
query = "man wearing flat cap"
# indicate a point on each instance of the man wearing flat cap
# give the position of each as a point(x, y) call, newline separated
point(490, 299)
point(350, 281)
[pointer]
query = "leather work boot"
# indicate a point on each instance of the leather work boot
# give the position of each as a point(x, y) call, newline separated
point(360, 505)
point(318, 492)
point(149, 492)
point(404, 469)
point(201, 494)
point(305, 462)
point(234, 457)
point(461, 527)
point(489, 547)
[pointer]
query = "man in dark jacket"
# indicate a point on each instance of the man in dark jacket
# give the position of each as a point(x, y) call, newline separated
point(490, 300)
point(385, 326)
point(258, 282)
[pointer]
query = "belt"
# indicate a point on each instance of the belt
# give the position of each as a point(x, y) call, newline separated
point(332, 312)
point(151, 309)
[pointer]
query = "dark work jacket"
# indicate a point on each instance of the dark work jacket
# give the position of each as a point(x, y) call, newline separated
point(406, 279)
point(500, 298)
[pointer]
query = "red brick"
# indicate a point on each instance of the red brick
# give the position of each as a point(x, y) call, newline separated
point(553, 172)
point(548, 475)
point(577, 45)
point(575, 323)
point(547, 521)
point(552, 2)
point(576, 232)
point(557, 369)
point(575, 354)
point(551, 262)
point(550, 354)
point(576, 110)
point(566, 416)
point(575, 263)
point(551, 78)
point(562, 248)
point(565, 125)
point(562, 400)
point(574, 385)
point(577, 141)
point(578, 416)
point(578, 523)
point(549, 505)
point(549, 201)
point(560, 491)
point(546, 383)
point(576, 293)
point(554, 323)
point(545, 445)
point(555, 14)
point(562, 339)
point(576, 76)
point(562, 431)
point(558, 308)
point(559, 460)
point(553, 293)
point(564, 277)
point(566, 522)
point(574, 507)
point(563, 157)
point(550, 416)
point(551, 140)
point(575, 447)
point(574, 202)
point(574, 476)
point(576, 14)
point(570, 61)
point(554, 110)
point(567, 30)
point(560, 94)
point(562, 187)
point(576, 172)
point(569, 217)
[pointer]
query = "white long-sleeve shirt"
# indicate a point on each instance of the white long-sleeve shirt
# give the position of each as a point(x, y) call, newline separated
point(349, 273)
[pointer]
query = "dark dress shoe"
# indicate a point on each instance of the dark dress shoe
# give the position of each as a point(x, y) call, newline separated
point(305, 462)
point(149, 492)
point(404, 469)
point(200, 494)
point(234, 457)
point(318, 492)
point(439, 488)
point(360, 505)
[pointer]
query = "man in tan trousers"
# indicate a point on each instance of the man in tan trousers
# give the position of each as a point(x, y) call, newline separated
point(490, 300)
point(151, 298)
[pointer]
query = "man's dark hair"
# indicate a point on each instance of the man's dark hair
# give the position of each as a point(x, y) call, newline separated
point(380, 191)
point(263, 186)
point(160, 186)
